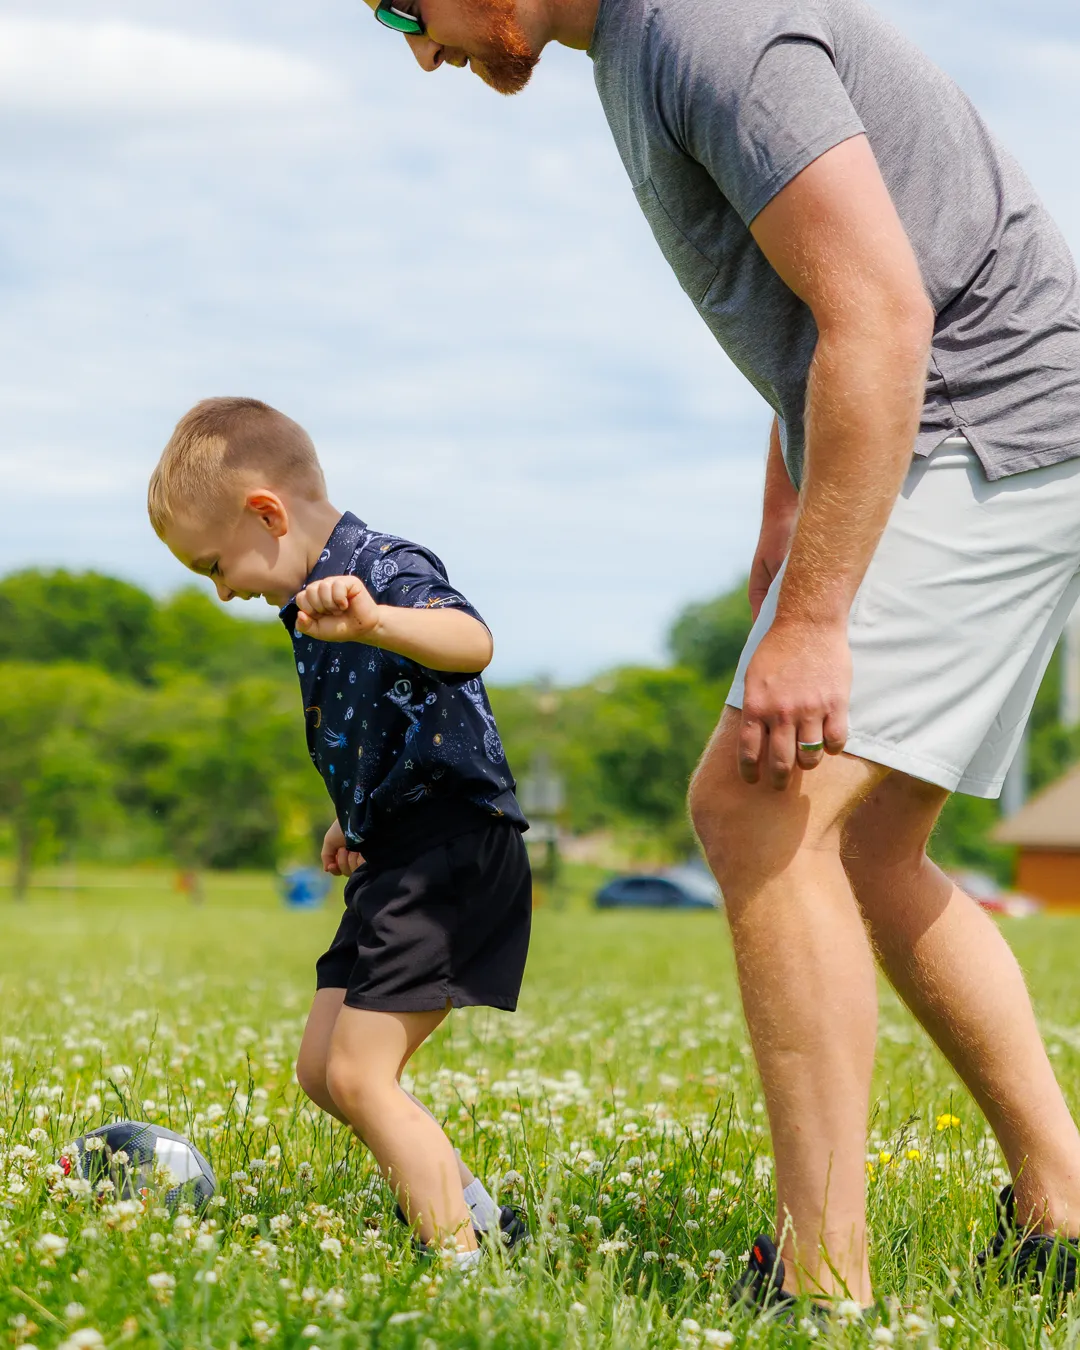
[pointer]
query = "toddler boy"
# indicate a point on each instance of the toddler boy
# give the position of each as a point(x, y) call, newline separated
point(427, 828)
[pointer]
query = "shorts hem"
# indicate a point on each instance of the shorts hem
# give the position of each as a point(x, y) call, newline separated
point(923, 767)
point(414, 1003)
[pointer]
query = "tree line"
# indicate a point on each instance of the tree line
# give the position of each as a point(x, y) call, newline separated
point(133, 728)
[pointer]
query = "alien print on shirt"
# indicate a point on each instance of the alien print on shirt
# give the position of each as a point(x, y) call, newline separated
point(400, 747)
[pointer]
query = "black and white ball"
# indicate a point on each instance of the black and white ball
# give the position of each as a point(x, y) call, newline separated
point(141, 1160)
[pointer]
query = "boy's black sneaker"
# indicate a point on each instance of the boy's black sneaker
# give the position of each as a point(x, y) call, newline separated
point(513, 1230)
point(1041, 1258)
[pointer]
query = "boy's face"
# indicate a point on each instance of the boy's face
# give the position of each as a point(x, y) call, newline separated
point(246, 555)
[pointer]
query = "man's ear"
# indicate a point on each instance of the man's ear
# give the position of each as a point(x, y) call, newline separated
point(270, 509)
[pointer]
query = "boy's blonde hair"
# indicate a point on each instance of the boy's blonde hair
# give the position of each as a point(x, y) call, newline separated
point(219, 444)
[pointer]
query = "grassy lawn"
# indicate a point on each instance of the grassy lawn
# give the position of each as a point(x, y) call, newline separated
point(619, 1106)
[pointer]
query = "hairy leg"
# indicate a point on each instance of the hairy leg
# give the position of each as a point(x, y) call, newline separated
point(367, 1053)
point(950, 964)
point(314, 1052)
point(806, 974)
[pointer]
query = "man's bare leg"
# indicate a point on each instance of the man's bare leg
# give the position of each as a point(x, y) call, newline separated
point(955, 971)
point(807, 978)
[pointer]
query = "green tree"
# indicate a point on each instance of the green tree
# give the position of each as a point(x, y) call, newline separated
point(194, 634)
point(709, 636)
point(57, 780)
point(85, 617)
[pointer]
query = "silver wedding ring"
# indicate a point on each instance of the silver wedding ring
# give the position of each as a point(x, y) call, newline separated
point(811, 747)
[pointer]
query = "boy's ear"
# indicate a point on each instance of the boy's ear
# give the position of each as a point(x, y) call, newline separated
point(270, 509)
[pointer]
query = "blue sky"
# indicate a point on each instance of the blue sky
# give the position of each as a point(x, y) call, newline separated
point(454, 292)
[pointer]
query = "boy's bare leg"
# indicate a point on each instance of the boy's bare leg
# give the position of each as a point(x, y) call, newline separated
point(368, 1051)
point(314, 1052)
point(808, 986)
point(956, 973)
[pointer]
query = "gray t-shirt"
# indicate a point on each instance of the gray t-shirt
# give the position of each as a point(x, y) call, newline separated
point(716, 105)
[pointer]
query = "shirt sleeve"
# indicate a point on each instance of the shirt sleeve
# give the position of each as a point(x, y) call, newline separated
point(412, 577)
point(757, 98)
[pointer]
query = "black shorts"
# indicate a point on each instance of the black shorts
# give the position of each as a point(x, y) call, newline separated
point(451, 926)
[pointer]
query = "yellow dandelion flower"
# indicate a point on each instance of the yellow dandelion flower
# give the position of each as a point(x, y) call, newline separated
point(884, 1157)
point(913, 1155)
point(870, 1172)
point(947, 1122)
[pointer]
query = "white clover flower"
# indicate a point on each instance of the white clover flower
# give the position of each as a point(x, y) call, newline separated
point(624, 1179)
point(913, 1322)
point(848, 1308)
point(882, 1336)
point(310, 1331)
point(690, 1327)
point(206, 1242)
point(809, 1328)
point(334, 1299)
point(206, 1277)
point(594, 1168)
point(262, 1331)
point(593, 1221)
point(96, 1143)
point(948, 1321)
point(52, 1246)
point(612, 1245)
point(249, 1221)
point(161, 1280)
point(578, 1309)
point(280, 1223)
point(74, 1311)
point(692, 1225)
point(86, 1338)
point(399, 1319)
point(37, 1134)
point(332, 1245)
point(650, 1257)
point(712, 1336)
point(369, 1277)
point(157, 1241)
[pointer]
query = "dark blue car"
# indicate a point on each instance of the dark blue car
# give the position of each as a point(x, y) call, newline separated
point(690, 886)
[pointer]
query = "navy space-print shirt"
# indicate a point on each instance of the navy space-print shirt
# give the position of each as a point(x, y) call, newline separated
point(410, 756)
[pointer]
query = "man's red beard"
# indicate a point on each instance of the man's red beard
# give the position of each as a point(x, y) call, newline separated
point(507, 61)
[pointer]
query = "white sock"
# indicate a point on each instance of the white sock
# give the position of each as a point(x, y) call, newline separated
point(468, 1260)
point(484, 1210)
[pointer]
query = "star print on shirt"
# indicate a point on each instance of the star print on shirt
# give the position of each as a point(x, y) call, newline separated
point(408, 763)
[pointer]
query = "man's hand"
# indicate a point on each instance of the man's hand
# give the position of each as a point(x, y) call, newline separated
point(337, 609)
point(797, 689)
point(336, 856)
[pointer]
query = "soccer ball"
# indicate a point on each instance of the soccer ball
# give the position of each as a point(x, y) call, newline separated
point(140, 1160)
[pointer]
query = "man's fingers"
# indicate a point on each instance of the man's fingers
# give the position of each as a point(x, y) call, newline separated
point(781, 754)
point(751, 745)
point(810, 744)
point(835, 732)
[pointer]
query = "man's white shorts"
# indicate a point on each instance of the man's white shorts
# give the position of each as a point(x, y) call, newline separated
point(957, 617)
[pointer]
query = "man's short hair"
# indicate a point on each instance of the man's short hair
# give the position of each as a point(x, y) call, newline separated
point(218, 445)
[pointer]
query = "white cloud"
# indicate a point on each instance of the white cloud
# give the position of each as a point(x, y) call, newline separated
point(70, 66)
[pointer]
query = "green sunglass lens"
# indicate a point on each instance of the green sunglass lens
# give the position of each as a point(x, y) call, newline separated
point(400, 23)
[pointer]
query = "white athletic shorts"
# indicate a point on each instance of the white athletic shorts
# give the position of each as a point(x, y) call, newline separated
point(957, 617)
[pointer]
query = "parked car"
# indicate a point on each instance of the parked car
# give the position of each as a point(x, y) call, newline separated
point(983, 888)
point(689, 886)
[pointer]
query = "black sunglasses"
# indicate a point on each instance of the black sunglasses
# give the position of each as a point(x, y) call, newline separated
point(400, 20)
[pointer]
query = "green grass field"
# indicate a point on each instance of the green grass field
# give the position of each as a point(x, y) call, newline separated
point(619, 1106)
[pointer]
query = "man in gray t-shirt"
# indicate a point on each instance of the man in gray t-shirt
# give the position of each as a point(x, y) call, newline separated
point(881, 270)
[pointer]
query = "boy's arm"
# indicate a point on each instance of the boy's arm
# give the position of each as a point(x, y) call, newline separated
point(341, 609)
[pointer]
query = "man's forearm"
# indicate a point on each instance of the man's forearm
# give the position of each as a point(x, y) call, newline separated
point(866, 391)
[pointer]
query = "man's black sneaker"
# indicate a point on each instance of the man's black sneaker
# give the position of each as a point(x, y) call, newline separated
point(762, 1283)
point(1040, 1258)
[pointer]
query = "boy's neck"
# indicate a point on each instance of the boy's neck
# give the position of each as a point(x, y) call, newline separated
point(315, 522)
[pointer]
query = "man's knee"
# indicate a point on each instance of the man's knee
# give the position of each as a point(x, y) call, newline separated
point(889, 831)
point(717, 802)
